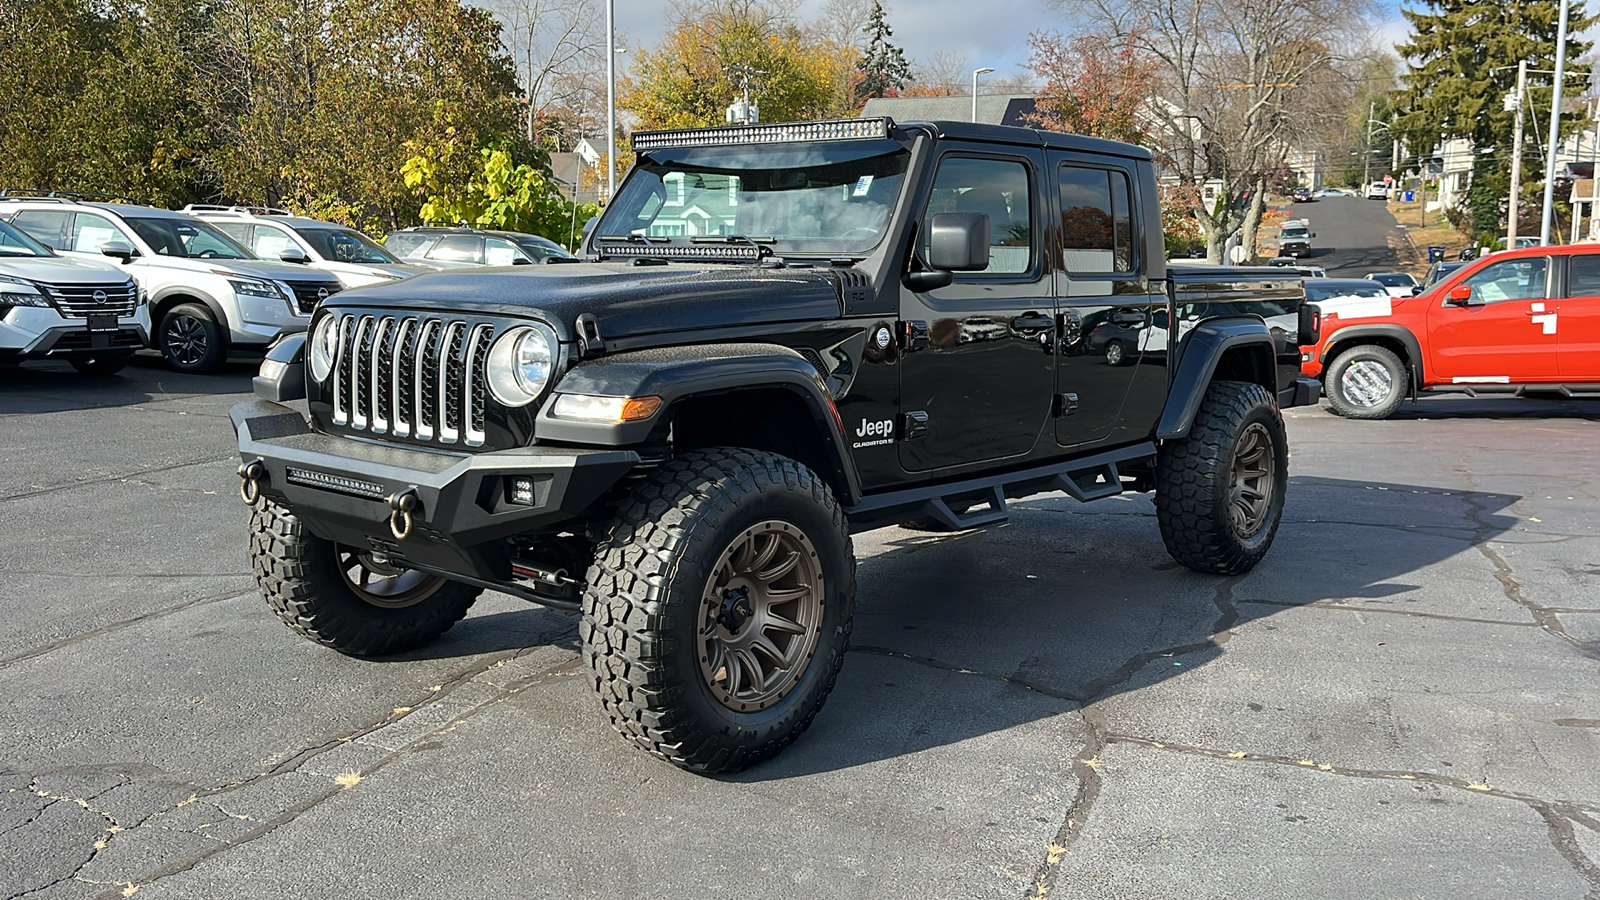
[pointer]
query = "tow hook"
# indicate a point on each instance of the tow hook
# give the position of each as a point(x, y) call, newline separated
point(250, 475)
point(402, 504)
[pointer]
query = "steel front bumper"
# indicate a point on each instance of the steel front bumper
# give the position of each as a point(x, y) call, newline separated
point(341, 489)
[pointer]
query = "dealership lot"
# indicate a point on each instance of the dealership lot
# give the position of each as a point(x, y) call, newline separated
point(1401, 701)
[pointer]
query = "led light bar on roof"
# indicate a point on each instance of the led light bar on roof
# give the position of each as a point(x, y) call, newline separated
point(723, 135)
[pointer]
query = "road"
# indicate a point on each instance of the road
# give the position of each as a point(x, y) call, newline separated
point(1355, 236)
point(1401, 701)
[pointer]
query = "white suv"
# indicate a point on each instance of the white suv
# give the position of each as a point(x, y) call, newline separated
point(351, 256)
point(208, 295)
point(87, 312)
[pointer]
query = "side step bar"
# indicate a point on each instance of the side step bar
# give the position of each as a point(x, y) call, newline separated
point(1089, 478)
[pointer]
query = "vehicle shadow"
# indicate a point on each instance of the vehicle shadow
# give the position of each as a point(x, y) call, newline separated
point(1460, 406)
point(51, 386)
point(976, 633)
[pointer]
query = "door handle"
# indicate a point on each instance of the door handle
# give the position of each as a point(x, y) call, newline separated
point(1127, 317)
point(1032, 322)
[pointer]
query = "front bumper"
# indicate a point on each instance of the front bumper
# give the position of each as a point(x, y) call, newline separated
point(340, 487)
point(1304, 392)
point(38, 333)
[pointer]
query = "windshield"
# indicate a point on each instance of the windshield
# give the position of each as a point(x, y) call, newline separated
point(189, 238)
point(1397, 279)
point(1296, 232)
point(14, 243)
point(823, 198)
point(1317, 293)
point(345, 245)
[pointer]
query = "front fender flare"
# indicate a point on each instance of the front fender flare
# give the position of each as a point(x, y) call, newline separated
point(677, 373)
point(1354, 334)
point(1198, 355)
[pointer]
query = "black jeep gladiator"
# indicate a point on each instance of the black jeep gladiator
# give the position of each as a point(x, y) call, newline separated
point(780, 335)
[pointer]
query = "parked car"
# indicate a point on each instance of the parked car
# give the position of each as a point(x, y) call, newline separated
point(1400, 284)
point(1378, 190)
point(351, 256)
point(1508, 323)
point(1303, 195)
point(1294, 238)
point(1437, 273)
point(455, 248)
point(1331, 192)
point(1524, 242)
point(208, 295)
point(1332, 294)
point(86, 311)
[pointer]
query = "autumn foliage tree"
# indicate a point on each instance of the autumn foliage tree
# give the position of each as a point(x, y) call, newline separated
point(1095, 85)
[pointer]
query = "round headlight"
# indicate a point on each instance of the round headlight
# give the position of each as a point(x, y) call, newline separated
point(324, 344)
point(520, 365)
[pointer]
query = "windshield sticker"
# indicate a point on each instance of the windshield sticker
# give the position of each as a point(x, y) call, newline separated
point(863, 184)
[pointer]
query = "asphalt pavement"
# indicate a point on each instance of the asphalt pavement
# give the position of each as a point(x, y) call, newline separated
point(1401, 701)
point(1355, 236)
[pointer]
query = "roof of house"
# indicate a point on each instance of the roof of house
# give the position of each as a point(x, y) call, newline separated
point(993, 109)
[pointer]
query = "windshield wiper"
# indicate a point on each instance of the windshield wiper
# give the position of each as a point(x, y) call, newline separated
point(637, 238)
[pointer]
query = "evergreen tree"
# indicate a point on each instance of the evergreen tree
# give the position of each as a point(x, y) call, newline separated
point(883, 67)
point(1463, 63)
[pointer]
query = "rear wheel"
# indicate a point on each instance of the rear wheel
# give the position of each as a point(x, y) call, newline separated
point(1366, 382)
point(1220, 488)
point(1116, 353)
point(346, 597)
point(191, 340)
point(718, 608)
point(101, 365)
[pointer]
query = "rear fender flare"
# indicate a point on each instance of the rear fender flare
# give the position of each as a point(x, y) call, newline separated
point(1199, 354)
point(677, 373)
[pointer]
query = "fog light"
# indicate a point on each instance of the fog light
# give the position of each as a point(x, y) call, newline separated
point(522, 492)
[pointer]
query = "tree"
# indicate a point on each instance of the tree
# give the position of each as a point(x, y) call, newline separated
point(559, 52)
point(1462, 60)
point(1095, 85)
point(691, 78)
point(883, 68)
point(500, 191)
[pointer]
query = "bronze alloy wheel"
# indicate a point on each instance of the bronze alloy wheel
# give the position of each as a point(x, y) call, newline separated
point(187, 340)
point(1252, 480)
point(761, 616)
point(382, 584)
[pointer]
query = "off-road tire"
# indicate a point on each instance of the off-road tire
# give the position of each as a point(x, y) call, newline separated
point(1198, 477)
point(190, 340)
point(101, 365)
point(643, 605)
point(299, 575)
point(1378, 368)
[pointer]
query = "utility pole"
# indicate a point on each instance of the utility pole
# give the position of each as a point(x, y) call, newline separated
point(1366, 168)
point(1555, 129)
point(1516, 155)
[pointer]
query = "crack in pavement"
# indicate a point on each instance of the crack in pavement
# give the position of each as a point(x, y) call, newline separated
point(1340, 607)
point(53, 646)
point(933, 663)
point(112, 829)
point(125, 477)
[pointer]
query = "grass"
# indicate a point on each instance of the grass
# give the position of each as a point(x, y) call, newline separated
point(1433, 231)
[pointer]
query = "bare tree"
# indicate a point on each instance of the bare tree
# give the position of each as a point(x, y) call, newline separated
point(842, 22)
point(559, 49)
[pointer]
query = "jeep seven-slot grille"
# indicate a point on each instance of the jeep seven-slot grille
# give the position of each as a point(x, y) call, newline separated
point(411, 376)
point(79, 300)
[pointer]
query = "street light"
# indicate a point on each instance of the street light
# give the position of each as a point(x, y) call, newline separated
point(975, 74)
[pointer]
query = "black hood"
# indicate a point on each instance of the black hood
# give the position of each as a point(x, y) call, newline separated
point(626, 299)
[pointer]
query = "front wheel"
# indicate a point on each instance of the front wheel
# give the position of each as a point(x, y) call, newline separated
point(1220, 488)
point(344, 597)
point(1116, 353)
point(191, 340)
point(1366, 382)
point(718, 608)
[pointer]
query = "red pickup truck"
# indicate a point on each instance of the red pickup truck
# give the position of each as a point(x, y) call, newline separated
point(1515, 322)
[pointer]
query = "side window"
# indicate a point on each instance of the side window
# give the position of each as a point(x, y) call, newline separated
point(465, 248)
point(1584, 276)
point(91, 232)
point(1096, 222)
point(500, 252)
point(239, 231)
point(1511, 279)
point(269, 243)
point(998, 189)
point(44, 225)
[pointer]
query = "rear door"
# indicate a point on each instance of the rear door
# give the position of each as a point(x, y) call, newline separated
point(1106, 307)
point(1578, 320)
point(1506, 333)
point(978, 369)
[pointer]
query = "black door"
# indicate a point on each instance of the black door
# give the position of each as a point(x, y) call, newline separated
point(979, 368)
point(1112, 321)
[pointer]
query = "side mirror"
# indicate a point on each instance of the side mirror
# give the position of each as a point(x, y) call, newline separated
point(1416, 291)
point(522, 261)
point(293, 254)
point(1308, 331)
point(117, 250)
point(959, 242)
point(1461, 295)
point(1313, 234)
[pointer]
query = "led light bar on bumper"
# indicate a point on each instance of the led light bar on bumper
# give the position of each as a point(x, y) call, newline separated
point(831, 130)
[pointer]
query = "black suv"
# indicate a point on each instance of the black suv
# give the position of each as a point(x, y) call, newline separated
point(782, 335)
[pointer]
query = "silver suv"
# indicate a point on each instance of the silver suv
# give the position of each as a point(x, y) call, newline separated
point(87, 312)
point(351, 256)
point(208, 295)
